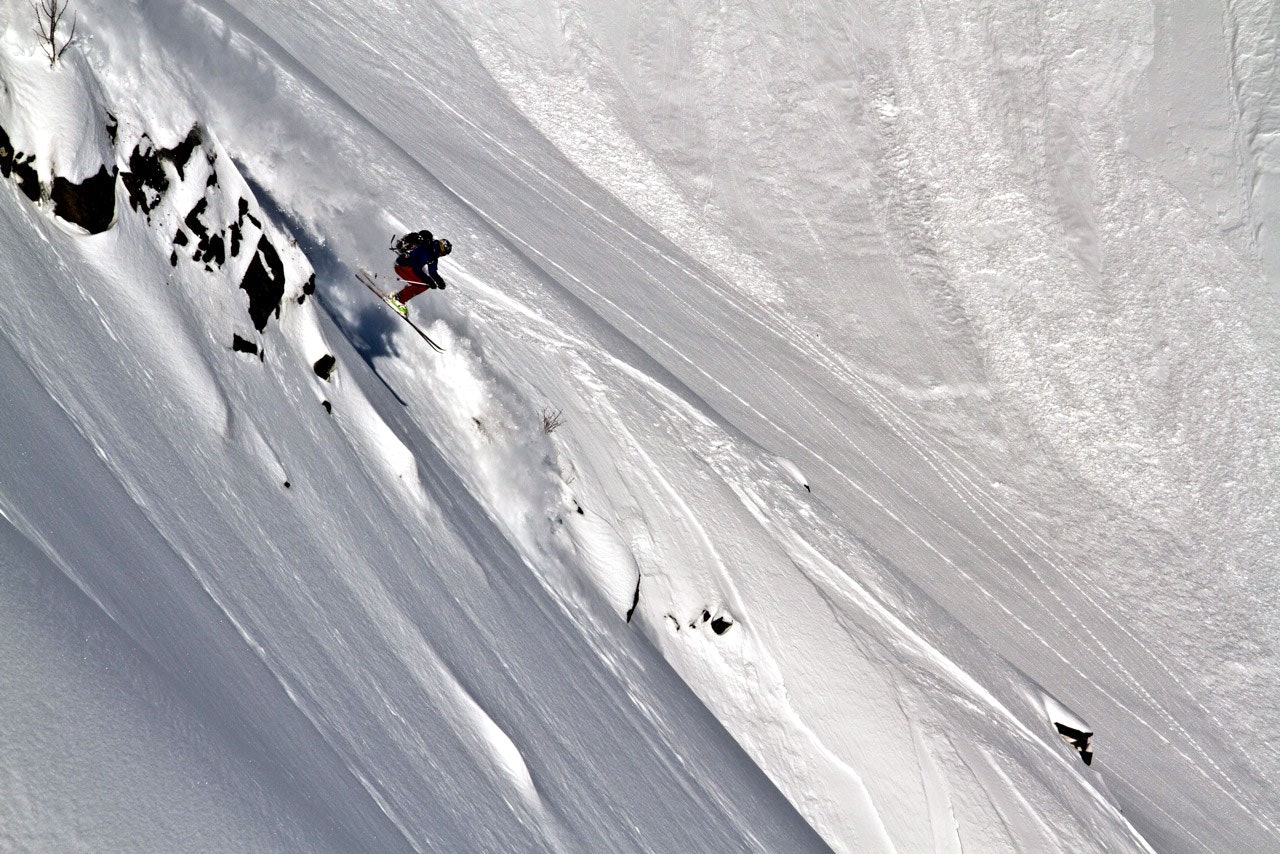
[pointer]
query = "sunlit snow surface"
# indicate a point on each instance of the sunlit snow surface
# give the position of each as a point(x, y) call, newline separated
point(917, 362)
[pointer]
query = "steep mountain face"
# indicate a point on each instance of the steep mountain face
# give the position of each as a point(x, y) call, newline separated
point(292, 583)
point(849, 422)
point(1044, 232)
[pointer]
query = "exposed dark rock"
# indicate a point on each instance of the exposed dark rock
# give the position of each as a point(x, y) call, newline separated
point(244, 214)
point(113, 128)
point(721, 624)
point(145, 180)
point(173, 258)
point(241, 345)
point(193, 221)
point(28, 181)
point(328, 407)
point(1078, 739)
point(6, 153)
point(264, 283)
point(19, 166)
point(181, 153)
point(635, 600)
point(180, 238)
point(212, 250)
point(324, 366)
point(272, 259)
point(308, 288)
point(91, 204)
point(286, 484)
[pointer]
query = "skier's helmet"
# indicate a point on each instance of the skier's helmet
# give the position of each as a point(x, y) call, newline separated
point(445, 247)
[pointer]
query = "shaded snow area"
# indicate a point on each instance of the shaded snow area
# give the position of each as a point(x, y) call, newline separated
point(856, 427)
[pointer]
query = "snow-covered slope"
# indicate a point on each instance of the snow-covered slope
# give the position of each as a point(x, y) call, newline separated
point(917, 405)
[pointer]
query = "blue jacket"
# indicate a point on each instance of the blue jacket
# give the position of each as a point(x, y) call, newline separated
point(424, 260)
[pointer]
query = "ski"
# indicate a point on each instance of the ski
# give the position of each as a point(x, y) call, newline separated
point(366, 279)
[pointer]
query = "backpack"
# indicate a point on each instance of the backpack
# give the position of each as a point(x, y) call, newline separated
point(403, 246)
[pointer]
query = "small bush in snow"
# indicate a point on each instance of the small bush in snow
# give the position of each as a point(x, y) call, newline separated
point(50, 15)
point(551, 419)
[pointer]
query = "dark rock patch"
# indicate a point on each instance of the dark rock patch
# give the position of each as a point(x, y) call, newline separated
point(328, 407)
point(6, 154)
point(324, 366)
point(216, 245)
point(25, 171)
point(1078, 739)
point(180, 238)
point(242, 345)
point(244, 214)
point(308, 288)
point(21, 167)
point(91, 204)
point(635, 600)
point(264, 283)
point(145, 180)
point(236, 237)
point(236, 229)
point(193, 221)
point(721, 624)
point(113, 128)
point(212, 251)
point(211, 248)
point(180, 154)
point(272, 259)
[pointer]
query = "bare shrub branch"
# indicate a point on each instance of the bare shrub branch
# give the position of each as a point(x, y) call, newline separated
point(50, 19)
point(551, 419)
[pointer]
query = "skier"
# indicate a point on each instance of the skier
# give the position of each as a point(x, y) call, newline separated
point(417, 255)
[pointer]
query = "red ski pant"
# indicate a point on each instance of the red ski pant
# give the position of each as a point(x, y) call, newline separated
point(415, 286)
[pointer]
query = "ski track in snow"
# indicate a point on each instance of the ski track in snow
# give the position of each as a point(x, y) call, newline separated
point(826, 579)
point(989, 511)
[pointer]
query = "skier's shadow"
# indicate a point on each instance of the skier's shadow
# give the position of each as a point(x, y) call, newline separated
point(369, 328)
point(369, 332)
